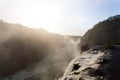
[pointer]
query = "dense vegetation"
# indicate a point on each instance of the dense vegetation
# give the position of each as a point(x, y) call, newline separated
point(106, 32)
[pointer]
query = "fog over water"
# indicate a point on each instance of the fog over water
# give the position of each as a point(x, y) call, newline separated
point(34, 54)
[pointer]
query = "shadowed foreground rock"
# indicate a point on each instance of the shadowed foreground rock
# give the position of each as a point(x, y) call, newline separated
point(94, 65)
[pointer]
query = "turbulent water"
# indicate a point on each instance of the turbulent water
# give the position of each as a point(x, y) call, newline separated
point(31, 54)
point(51, 67)
point(94, 65)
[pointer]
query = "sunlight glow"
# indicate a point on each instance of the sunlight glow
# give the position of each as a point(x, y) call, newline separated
point(42, 15)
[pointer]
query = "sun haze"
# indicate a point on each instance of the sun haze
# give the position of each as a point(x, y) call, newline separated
point(72, 17)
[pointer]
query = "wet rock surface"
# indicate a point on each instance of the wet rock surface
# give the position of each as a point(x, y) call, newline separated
point(94, 65)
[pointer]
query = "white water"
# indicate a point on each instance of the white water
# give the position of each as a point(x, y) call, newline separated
point(89, 59)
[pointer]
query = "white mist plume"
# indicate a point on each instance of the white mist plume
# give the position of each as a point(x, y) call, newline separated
point(27, 53)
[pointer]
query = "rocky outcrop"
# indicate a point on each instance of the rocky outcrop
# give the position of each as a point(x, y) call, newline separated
point(104, 33)
point(94, 65)
point(100, 58)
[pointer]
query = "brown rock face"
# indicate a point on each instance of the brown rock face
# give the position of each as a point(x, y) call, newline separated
point(103, 33)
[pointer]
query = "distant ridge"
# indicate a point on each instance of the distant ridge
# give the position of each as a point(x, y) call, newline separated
point(104, 33)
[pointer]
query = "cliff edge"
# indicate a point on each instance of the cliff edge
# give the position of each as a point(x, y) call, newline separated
point(100, 53)
point(106, 32)
point(95, 65)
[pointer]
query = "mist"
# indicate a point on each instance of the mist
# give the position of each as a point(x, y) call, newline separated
point(27, 53)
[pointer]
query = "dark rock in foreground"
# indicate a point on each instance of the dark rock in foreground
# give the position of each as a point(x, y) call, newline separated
point(95, 65)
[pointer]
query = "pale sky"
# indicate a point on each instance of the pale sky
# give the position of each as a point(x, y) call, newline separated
point(69, 17)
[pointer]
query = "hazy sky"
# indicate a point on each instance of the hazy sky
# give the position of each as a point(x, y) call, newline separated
point(60, 16)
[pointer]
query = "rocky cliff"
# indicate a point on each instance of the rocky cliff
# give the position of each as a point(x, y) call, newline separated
point(100, 53)
point(103, 33)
